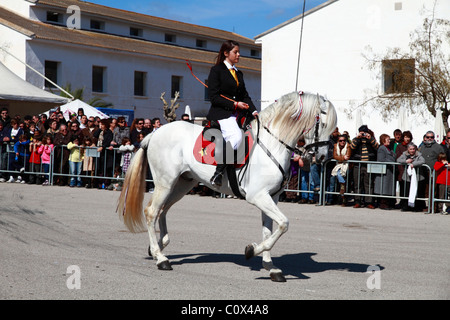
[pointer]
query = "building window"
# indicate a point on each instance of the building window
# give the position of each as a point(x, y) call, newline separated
point(97, 25)
point(176, 86)
point(170, 38)
point(254, 53)
point(200, 43)
point(139, 83)
point(398, 76)
point(136, 32)
point(51, 72)
point(98, 79)
point(54, 17)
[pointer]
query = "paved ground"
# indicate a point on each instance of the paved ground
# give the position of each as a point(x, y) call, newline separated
point(325, 254)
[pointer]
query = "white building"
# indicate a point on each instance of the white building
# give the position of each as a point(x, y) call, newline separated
point(123, 57)
point(335, 35)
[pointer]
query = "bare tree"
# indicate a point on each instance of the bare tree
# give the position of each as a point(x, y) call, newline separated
point(418, 80)
point(169, 111)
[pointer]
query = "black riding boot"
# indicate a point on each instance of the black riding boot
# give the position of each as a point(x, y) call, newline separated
point(216, 179)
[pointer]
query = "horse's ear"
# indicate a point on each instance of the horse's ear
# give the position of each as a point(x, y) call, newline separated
point(319, 101)
point(322, 104)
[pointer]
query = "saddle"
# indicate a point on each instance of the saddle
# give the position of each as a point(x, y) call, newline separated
point(205, 144)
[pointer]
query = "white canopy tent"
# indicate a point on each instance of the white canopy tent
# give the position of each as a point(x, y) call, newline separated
point(72, 108)
point(187, 110)
point(14, 88)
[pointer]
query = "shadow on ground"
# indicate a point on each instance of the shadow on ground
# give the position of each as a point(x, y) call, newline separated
point(295, 265)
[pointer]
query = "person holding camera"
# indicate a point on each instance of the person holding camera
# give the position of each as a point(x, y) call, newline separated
point(364, 148)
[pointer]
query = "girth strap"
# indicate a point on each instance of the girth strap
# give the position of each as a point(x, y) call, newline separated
point(231, 172)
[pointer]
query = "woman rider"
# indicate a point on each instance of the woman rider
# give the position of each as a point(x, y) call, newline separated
point(228, 97)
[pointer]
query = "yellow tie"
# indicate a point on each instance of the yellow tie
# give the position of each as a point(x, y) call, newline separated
point(233, 73)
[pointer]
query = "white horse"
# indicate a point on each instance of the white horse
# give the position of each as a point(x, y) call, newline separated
point(169, 151)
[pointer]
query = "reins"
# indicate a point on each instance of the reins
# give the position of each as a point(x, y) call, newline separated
point(204, 84)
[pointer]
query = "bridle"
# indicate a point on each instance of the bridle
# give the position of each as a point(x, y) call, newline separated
point(315, 145)
point(295, 150)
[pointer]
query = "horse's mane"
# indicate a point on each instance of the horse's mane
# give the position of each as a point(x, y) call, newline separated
point(294, 115)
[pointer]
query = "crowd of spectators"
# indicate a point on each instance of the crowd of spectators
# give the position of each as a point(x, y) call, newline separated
point(351, 182)
point(27, 145)
point(81, 145)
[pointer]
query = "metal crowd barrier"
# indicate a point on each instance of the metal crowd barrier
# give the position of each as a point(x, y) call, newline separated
point(374, 169)
point(322, 182)
point(330, 187)
point(104, 167)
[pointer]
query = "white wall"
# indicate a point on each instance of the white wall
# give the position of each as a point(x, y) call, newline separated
point(14, 43)
point(334, 39)
point(21, 7)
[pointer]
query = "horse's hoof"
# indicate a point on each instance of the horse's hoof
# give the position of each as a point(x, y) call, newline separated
point(249, 251)
point(165, 265)
point(277, 277)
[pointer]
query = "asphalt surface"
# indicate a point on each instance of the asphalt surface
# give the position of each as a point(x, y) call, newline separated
point(67, 243)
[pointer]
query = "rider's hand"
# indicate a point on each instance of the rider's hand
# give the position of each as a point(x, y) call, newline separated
point(241, 105)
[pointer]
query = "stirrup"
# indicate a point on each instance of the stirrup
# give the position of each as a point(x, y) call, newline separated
point(216, 179)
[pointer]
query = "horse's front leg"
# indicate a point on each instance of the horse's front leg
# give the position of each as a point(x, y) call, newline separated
point(267, 263)
point(270, 212)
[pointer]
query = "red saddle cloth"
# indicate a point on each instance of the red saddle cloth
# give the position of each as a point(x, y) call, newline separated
point(204, 150)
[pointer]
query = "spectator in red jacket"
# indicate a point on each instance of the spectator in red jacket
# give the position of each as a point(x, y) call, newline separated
point(442, 178)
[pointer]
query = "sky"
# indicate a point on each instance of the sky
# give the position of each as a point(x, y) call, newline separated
point(248, 18)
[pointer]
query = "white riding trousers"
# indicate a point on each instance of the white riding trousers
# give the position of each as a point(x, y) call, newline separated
point(231, 132)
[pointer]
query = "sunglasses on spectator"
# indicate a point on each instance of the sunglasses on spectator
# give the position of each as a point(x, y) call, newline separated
point(429, 137)
point(341, 140)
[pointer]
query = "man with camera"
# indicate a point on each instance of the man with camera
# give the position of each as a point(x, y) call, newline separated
point(364, 148)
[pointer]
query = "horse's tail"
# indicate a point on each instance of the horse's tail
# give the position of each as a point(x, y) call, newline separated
point(132, 195)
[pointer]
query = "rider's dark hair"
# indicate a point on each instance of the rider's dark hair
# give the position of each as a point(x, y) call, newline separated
point(227, 46)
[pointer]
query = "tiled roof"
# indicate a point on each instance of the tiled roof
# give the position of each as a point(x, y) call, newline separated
point(156, 22)
point(60, 34)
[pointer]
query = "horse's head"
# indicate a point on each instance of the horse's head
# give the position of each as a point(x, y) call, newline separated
point(300, 113)
point(318, 137)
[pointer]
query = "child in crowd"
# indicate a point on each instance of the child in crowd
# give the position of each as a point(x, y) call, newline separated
point(35, 161)
point(45, 150)
point(22, 156)
point(127, 151)
point(442, 179)
point(12, 136)
point(88, 162)
point(75, 161)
